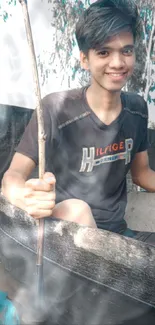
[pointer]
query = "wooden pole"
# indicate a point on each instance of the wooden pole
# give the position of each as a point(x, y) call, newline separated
point(41, 142)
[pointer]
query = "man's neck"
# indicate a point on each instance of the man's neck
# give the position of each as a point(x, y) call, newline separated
point(106, 105)
point(102, 99)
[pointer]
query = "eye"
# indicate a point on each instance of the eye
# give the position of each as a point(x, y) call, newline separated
point(103, 53)
point(128, 52)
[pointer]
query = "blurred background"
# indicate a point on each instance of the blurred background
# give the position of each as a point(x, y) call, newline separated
point(53, 23)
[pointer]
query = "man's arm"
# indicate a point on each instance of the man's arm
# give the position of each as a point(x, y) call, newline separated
point(142, 174)
point(13, 182)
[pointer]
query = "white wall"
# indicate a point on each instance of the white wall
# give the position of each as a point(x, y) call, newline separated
point(16, 83)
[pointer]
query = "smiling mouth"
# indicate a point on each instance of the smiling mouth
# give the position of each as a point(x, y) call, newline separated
point(117, 76)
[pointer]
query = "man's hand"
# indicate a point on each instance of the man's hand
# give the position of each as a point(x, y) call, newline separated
point(39, 196)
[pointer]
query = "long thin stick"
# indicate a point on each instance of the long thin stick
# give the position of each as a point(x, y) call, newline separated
point(41, 141)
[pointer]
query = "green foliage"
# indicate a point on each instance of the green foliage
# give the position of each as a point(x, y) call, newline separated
point(4, 9)
point(139, 81)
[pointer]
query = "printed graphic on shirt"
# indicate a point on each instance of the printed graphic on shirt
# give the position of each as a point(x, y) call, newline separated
point(93, 157)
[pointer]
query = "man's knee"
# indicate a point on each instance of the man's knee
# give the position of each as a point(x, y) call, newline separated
point(76, 211)
point(78, 207)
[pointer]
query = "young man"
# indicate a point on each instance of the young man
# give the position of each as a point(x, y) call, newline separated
point(95, 135)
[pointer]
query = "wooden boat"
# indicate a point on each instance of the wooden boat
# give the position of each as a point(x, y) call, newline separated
point(91, 277)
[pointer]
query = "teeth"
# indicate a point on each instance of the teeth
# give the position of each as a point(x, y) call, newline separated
point(116, 74)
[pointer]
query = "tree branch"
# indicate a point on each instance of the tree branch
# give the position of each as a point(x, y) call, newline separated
point(148, 64)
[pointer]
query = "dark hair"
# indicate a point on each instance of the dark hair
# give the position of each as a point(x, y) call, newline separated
point(103, 19)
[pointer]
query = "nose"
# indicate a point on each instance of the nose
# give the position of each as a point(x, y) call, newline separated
point(117, 61)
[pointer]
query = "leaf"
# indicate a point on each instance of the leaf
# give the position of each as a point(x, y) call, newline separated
point(152, 88)
point(149, 99)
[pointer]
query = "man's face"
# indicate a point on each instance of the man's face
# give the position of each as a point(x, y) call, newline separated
point(113, 64)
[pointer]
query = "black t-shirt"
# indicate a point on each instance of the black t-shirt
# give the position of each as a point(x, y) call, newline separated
point(90, 159)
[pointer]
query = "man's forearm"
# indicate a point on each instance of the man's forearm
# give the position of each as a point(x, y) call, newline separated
point(146, 180)
point(13, 188)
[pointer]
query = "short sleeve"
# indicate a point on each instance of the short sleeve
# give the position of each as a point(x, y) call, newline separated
point(28, 145)
point(144, 145)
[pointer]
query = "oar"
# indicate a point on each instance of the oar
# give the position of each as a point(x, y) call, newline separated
point(41, 144)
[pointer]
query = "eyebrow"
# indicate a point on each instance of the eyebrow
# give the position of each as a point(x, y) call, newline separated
point(129, 46)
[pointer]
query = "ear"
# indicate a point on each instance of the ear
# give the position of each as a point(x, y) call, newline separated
point(84, 61)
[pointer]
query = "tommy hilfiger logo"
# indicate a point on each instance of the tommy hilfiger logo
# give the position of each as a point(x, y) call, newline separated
point(93, 157)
